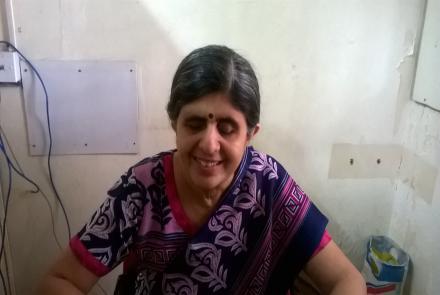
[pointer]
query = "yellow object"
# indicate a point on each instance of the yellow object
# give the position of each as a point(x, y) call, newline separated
point(385, 257)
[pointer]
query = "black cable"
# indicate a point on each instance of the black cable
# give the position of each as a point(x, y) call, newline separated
point(102, 289)
point(49, 131)
point(37, 188)
point(19, 171)
point(3, 282)
point(4, 145)
point(8, 160)
point(6, 205)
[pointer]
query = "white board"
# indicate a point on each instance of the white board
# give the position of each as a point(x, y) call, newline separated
point(93, 107)
point(427, 81)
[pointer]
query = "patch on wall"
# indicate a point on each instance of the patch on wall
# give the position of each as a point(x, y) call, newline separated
point(363, 161)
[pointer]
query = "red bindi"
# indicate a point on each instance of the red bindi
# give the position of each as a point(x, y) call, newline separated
point(211, 116)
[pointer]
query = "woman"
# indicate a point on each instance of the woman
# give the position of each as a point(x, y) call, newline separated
point(214, 216)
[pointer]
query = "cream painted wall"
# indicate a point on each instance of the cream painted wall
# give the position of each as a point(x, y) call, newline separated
point(330, 72)
point(415, 218)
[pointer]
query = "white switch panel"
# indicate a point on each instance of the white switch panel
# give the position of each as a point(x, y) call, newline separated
point(9, 67)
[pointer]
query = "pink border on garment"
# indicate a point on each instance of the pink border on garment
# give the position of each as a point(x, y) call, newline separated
point(171, 190)
point(326, 238)
point(87, 259)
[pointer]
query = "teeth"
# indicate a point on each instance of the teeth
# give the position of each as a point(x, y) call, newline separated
point(207, 163)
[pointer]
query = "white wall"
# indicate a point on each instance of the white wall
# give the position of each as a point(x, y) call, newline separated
point(330, 71)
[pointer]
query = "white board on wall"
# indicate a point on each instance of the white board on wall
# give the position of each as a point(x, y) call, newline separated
point(427, 80)
point(93, 107)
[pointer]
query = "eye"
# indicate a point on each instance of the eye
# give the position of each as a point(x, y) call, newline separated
point(225, 128)
point(195, 124)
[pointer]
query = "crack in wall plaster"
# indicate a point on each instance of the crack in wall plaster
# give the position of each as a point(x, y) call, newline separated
point(406, 69)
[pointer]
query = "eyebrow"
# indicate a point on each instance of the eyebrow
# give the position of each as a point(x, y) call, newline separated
point(195, 118)
point(198, 118)
point(228, 120)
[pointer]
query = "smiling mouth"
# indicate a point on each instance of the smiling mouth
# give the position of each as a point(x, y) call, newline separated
point(207, 163)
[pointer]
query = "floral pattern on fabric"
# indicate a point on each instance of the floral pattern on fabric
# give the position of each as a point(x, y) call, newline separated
point(205, 258)
point(113, 227)
point(118, 217)
point(240, 250)
point(160, 205)
point(145, 282)
point(264, 163)
point(227, 221)
point(249, 197)
point(178, 284)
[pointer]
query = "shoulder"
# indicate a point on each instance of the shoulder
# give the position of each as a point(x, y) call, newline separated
point(151, 169)
point(265, 164)
point(148, 171)
point(153, 160)
point(272, 178)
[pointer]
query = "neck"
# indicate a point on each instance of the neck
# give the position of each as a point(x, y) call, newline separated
point(208, 199)
point(189, 192)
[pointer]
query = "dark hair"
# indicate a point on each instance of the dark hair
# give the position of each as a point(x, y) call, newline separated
point(213, 69)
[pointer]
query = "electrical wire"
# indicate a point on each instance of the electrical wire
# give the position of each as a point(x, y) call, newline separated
point(37, 189)
point(102, 289)
point(5, 146)
point(3, 282)
point(8, 160)
point(19, 171)
point(8, 194)
point(49, 131)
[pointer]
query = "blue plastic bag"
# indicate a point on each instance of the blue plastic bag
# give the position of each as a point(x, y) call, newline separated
point(385, 267)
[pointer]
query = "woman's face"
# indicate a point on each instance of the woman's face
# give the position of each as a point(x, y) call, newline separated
point(211, 136)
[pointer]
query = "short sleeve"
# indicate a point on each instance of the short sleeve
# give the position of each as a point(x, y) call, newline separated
point(105, 239)
point(326, 238)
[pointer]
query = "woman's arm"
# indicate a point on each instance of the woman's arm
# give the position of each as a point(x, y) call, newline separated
point(67, 276)
point(333, 273)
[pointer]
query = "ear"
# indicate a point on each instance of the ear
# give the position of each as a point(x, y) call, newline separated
point(253, 132)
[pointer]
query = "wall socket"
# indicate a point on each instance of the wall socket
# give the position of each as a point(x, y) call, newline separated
point(9, 67)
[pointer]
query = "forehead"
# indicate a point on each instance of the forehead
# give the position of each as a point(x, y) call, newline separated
point(216, 104)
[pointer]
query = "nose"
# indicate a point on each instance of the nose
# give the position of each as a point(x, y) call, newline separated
point(210, 140)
